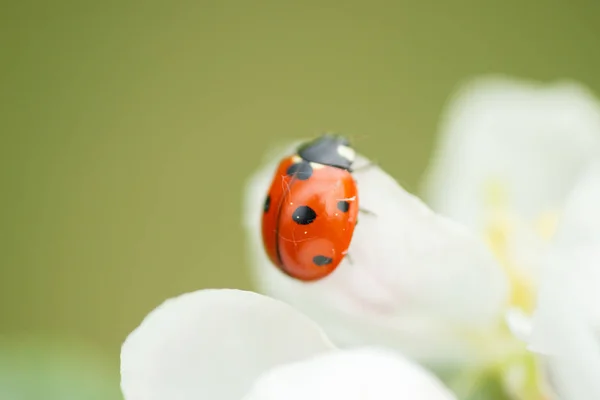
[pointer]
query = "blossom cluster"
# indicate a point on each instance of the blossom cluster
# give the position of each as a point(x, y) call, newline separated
point(491, 276)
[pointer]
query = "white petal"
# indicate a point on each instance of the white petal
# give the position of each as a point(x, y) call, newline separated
point(213, 344)
point(519, 323)
point(363, 374)
point(533, 138)
point(526, 140)
point(417, 281)
point(566, 325)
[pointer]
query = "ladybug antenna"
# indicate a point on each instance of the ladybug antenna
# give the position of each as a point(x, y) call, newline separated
point(351, 138)
point(358, 138)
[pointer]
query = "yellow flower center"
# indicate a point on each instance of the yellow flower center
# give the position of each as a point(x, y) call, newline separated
point(500, 227)
point(546, 225)
point(500, 230)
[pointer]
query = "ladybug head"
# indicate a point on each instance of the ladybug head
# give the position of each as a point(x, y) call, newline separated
point(329, 149)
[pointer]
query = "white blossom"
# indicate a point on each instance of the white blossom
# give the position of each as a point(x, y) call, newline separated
point(566, 324)
point(455, 285)
point(223, 344)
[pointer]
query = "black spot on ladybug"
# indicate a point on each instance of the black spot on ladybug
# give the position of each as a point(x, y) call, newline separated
point(322, 260)
point(267, 204)
point(343, 205)
point(304, 215)
point(301, 170)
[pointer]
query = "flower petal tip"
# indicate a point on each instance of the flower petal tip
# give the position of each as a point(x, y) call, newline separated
point(213, 344)
point(363, 373)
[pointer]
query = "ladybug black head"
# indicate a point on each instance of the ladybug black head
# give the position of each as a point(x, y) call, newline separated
point(329, 149)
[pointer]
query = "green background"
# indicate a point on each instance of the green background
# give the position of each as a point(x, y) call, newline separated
point(128, 129)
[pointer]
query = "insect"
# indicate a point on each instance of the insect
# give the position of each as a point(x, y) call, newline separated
point(311, 209)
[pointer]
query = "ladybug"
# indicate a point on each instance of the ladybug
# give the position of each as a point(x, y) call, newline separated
point(311, 209)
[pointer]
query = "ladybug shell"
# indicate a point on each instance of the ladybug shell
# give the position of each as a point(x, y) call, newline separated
point(309, 217)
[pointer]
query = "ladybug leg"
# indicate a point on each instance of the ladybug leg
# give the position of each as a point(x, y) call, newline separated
point(365, 167)
point(367, 212)
point(349, 259)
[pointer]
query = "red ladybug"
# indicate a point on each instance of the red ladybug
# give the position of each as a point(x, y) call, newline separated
point(311, 209)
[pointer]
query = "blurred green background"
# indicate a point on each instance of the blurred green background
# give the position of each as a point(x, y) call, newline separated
point(128, 130)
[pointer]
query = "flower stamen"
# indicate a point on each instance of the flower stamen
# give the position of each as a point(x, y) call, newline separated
point(499, 228)
point(546, 224)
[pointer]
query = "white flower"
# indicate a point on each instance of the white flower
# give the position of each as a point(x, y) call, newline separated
point(509, 154)
point(566, 324)
point(440, 286)
point(223, 344)
point(401, 286)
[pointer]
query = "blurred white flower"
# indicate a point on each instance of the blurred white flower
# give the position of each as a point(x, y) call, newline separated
point(443, 287)
point(223, 344)
point(566, 324)
point(509, 154)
